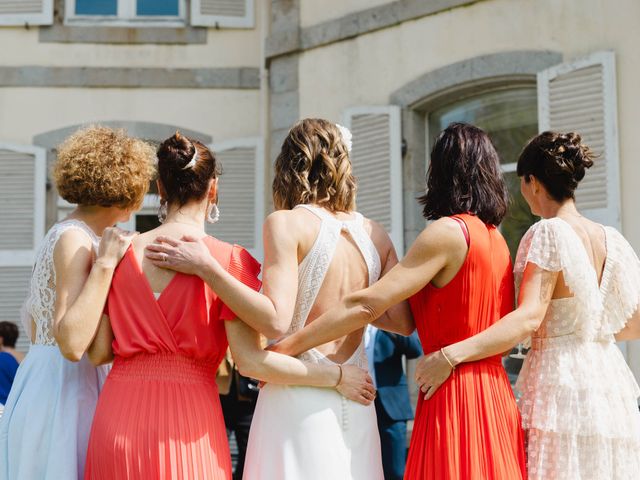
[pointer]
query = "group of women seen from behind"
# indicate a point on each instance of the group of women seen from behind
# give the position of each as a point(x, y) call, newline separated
point(163, 306)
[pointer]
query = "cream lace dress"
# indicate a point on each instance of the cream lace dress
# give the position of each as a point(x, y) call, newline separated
point(578, 396)
point(45, 427)
point(307, 433)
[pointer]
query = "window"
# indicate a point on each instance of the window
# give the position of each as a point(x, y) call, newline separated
point(125, 12)
point(510, 117)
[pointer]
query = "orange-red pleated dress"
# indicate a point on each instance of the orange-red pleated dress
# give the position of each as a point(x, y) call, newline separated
point(159, 415)
point(470, 428)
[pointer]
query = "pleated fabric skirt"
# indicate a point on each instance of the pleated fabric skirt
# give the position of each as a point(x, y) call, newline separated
point(469, 429)
point(307, 433)
point(159, 417)
point(45, 426)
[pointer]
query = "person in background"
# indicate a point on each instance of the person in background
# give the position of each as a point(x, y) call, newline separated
point(238, 395)
point(393, 406)
point(9, 358)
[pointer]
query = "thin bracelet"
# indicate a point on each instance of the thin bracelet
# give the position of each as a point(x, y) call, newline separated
point(339, 378)
point(448, 361)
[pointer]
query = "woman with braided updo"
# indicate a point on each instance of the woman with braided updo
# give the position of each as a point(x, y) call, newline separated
point(579, 288)
point(317, 250)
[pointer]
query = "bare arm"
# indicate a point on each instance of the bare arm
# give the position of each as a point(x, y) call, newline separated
point(271, 367)
point(398, 319)
point(535, 295)
point(100, 351)
point(82, 288)
point(269, 313)
point(427, 257)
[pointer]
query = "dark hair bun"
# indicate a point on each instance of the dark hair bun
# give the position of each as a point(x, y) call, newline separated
point(558, 160)
point(185, 167)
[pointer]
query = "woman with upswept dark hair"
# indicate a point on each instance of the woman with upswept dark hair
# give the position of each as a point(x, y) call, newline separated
point(457, 276)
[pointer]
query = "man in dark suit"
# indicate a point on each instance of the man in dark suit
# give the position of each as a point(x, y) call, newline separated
point(393, 407)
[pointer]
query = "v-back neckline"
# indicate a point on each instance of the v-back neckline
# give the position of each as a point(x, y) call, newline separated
point(600, 278)
point(138, 266)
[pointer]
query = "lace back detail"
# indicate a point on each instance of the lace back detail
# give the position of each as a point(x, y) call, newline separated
point(313, 268)
point(40, 304)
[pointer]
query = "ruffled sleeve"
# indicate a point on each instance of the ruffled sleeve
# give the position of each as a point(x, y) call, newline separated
point(245, 268)
point(540, 246)
point(622, 278)
point(552, 245)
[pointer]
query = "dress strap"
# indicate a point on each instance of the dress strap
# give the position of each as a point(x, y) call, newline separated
point(464, 228)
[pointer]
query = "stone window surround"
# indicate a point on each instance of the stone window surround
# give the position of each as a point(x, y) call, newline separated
point(441, 86)
point(138, 34)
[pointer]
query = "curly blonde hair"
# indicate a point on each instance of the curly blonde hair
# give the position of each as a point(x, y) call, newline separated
point(100, 166)
point(314, 167)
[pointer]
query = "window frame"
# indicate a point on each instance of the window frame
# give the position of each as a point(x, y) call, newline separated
point(126, 16)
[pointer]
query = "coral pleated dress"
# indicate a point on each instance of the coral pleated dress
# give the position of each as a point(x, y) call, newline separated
point(470, 428)
point(159, 415)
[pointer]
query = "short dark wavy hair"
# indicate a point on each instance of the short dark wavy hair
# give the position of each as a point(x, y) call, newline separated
point(464, 176)
point(9, 333)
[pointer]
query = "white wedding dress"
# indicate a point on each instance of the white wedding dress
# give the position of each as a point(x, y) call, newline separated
point(45, 426)
point(579, 398)
point(307, 433)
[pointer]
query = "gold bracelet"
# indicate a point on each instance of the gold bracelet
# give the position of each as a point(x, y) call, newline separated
point(448, 361)
point(339, 378)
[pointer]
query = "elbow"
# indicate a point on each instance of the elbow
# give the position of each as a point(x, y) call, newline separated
point(71, 354)
point(276, 330)
point(531, 323)
point(406, 328)
point(248, 367)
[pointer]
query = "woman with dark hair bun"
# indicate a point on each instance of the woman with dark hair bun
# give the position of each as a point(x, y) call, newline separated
point(159, 413)
point(457, 276)
point(579, 286)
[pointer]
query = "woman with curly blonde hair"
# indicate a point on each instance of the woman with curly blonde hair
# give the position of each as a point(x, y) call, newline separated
point(47, 418)
point(317, 249)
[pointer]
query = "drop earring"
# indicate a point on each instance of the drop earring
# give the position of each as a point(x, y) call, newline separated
point(214, 213)
point(162, 211)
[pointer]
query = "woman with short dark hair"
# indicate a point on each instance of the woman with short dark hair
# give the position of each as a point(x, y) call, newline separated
point(9, 358)
point(579, 293)
point(457, 276)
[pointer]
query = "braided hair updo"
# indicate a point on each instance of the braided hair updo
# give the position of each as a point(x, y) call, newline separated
point(558, 160)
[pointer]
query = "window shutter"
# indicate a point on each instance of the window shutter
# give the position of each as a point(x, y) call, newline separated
point(377, 164)
point(30, 12)
point(22, 193)
point(581, 96)
point(223, 13)
point(240, 194)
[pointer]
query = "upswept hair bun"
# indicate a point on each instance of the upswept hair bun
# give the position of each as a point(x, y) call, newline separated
point(100, 166)
point(185, 167)
point(558, 160)
point(314, 167)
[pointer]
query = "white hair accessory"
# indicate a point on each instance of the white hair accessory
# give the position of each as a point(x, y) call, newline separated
point(192, 162)
point(346, 136)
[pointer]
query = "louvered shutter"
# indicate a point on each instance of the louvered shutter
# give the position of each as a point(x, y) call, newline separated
point(29, 12)
point(377, 164)
point(581, 96)
point(22, 193)
point(240, 194)
point(223, 13)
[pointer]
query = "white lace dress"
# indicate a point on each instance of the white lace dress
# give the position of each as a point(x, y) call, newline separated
point(579, 398)
point(45, 427)
point(306, 433)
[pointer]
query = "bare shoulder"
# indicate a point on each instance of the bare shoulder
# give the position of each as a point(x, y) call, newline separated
point(72, 241)
point(379, 236)
point(294, 224)
point(442, 235)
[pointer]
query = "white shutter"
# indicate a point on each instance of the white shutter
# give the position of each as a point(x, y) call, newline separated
point(223, 13)
point(240, 194)
point(581, 96)
point(377, 164)
point(22, 193)
point(30, 12)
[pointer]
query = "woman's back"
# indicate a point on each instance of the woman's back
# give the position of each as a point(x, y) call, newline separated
point(478, 295)
point(336, 257)
point(470, 427)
